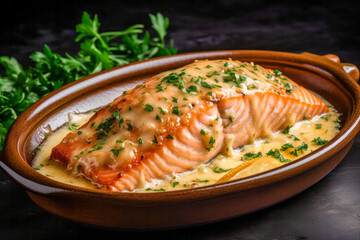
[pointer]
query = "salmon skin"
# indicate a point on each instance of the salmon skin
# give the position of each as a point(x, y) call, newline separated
point(182, 118)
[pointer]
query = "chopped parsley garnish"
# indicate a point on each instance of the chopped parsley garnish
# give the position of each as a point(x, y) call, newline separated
point(288, 87)
point(105, 126)
point(178, 81)
point(286, 146)
point(233, 77)
point(318, 126)
point(100, 135)
point(175, 100)
point(120, 141)
point(121, 121)
point(303, 147)
point(268, 76)
point(130, 127)
point(158, 118)
point(277, 73)
point(156, 190)
point(72, 126)
point(220, 170)
point(210, 74)
point(115, 114)
point(162, 111)
point(211, 143)
point(276, 154)
point(95, 148)
point(191, 89)
point(293, 137)
point(326, 117)
point(251, 155)
point(79, 132)
point(155, 140)
point(140, 141)
point(175, 110)
point(207, 85)
point(319, 141)
point(202, 132)
point(201, 181)
point(287, 130)
point(170, 137)
point(174, 78)
point(251, 86)
point(148, 108)
point(160, 88)
point(175, 183)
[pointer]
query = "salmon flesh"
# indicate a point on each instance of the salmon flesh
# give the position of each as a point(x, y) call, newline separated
point(182, 118)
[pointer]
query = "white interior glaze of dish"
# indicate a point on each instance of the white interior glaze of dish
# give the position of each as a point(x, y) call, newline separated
point(325, 126)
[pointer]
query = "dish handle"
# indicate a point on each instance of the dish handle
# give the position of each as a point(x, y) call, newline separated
point(348, 68)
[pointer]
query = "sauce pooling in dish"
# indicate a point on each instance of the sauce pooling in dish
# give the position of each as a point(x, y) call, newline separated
point(181, 119)
point(311, 133)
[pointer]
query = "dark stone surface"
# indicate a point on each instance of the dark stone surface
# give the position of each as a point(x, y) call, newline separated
point(328, 210)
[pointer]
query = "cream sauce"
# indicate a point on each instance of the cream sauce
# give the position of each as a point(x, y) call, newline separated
point(304, 132)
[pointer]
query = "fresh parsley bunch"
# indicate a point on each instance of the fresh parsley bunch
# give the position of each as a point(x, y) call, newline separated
point(20, 87)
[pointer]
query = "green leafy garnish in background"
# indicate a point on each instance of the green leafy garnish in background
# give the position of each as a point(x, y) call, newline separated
point(20, 87)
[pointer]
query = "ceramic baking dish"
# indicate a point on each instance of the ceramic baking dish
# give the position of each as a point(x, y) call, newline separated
point(324, 75)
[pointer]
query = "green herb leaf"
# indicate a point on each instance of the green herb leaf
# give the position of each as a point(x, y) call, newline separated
point(170, 137)
point(293, 137)
point(148, 108)
point(276, 154)
point(201, 181)
point(116, 151)
point(99, 51)
point(286, 130)
point(251, 155)
point(220, 170)
point(319, 141)
point(175, 110)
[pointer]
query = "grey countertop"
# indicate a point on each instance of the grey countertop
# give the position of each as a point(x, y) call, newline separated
point(330, 209)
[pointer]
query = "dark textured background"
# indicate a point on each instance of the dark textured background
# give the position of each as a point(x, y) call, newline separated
point(328, 210)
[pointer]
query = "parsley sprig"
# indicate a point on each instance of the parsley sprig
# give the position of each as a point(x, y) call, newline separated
point(21, 87)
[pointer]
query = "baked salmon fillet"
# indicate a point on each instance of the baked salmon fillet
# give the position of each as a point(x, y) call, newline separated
point(182, 118)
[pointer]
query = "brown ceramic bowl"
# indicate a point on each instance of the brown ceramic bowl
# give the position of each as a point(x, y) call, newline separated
point(324, 75)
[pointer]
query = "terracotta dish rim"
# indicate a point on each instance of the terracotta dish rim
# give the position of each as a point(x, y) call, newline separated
point(21, 172)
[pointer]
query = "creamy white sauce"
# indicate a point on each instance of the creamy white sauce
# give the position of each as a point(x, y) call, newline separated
point(325, 127)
